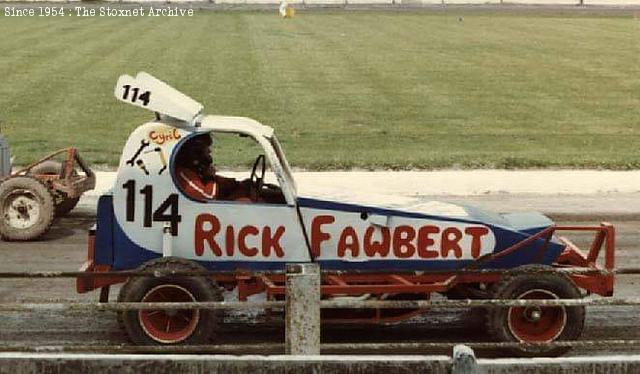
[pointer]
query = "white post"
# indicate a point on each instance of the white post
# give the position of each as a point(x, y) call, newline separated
point(302, 309)
point(167, 240)
point(464, 360)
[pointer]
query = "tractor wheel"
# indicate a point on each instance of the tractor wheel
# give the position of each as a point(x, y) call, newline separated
point(184, 327)
point(48, 167)
point(64, 205)
point(27, 208)
point(534, 324)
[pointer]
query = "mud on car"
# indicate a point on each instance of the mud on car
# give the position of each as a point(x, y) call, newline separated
point(149, 222)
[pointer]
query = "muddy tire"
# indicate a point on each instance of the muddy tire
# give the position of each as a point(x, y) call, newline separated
point(170, 327)
point(64, 205)
point(48, 167)
point(535, 324)
point(26, 208)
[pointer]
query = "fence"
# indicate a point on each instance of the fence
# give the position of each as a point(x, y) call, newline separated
point(302, 328)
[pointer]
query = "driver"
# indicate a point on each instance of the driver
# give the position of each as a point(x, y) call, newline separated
point(197, 175)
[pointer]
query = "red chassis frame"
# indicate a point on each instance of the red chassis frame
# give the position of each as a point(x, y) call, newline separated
point(582, 268)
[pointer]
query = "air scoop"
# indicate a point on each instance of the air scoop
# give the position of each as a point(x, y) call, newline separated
point(148, 92)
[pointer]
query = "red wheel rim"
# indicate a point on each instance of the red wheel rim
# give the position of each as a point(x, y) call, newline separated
point(169, 326)
point(533, 324)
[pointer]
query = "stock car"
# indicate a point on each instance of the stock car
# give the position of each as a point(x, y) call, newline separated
point(146, 222)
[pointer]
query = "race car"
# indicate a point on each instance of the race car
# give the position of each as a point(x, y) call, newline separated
point(152, 221)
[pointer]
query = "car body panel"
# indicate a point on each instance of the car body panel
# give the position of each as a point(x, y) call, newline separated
point(146, 215)
point(344, 236)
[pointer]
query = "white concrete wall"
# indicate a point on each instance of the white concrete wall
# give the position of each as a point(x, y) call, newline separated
point(612, 2)
point(471, 1)
point(374, 2)
point(5, 2)
point(257, 2)
point(325, 2)
point(543, 2)
point(518, 2)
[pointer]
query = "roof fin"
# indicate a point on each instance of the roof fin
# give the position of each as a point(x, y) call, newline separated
point(146, 91)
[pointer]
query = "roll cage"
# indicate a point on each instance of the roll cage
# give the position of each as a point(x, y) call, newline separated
point(264, 136)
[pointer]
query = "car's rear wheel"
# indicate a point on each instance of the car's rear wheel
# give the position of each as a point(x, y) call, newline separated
point(536, 324)
point(170, 326)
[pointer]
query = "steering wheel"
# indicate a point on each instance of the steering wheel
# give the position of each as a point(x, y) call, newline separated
point(257, 182)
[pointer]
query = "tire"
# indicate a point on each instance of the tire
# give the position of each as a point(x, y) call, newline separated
point(535, 324)
point(26, 208)
point(64, 205)
point(157, 327)
point(48, 167)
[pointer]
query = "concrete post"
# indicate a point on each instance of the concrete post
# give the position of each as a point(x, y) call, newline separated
point(302, 310)
point(464, 360)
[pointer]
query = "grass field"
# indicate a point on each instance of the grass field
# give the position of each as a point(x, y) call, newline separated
point(342, 89)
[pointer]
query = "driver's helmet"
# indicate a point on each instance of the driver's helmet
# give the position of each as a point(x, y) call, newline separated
point(195, 154)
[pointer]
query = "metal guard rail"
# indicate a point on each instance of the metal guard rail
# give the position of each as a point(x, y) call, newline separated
point(134, 273)
point(64, 306)
point(274, 347)
point(326, 304)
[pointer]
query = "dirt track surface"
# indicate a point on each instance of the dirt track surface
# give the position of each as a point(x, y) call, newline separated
point(64, 249)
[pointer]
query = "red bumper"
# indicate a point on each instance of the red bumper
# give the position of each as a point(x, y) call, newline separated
point(92, 279)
